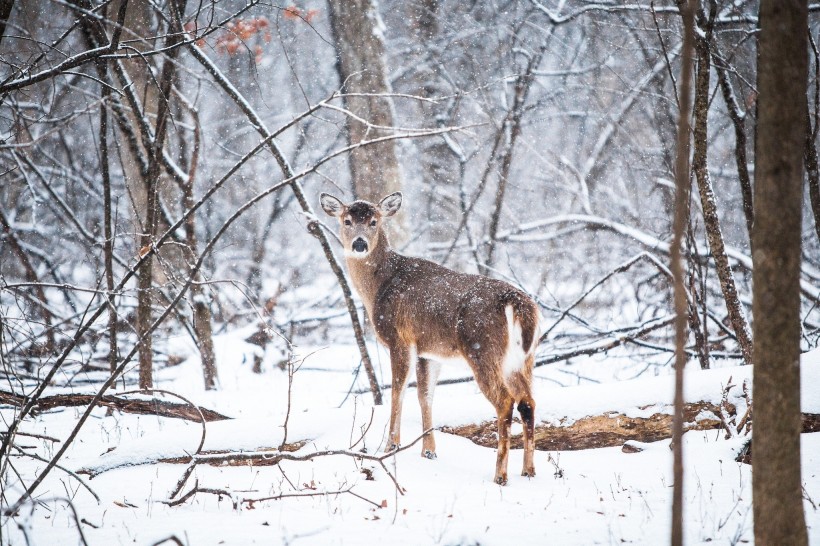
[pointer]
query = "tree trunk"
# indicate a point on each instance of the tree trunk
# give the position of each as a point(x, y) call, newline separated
point(711, 221)
point(357, 32)
point(144, 299)
point(199, 295)
point(781, 82)
point(108, 244)
point(682, 198)
point(439, 164)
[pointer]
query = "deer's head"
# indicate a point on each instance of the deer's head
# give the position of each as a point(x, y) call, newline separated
point(360, 221)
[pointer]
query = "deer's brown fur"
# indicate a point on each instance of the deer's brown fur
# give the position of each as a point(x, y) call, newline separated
point(426, 314)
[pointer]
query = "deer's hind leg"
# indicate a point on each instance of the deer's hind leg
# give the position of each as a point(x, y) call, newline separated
point(494, 388)
point(526, 408)
point(504, 408)
point(485, 353)
point(426, 376)
point(520, 383)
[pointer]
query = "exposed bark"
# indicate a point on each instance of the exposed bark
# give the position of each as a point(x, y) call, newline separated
point(700, 166)
point(681, 219)
point(357, 32)
point(782, 78)
point(611, 429)
point(606, 430)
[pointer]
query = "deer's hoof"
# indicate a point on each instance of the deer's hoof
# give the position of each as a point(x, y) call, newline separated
point(529, 473)
point(501, 480)
point(427, 454)
point(393, 447)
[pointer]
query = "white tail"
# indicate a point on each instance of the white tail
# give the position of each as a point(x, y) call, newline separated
point(426, 314)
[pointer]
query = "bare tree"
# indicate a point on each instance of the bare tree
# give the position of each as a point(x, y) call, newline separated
point(358, 35)
point(714, 233)
point(682, 197)
point(782, 81)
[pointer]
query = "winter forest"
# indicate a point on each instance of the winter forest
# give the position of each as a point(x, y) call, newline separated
point(189, 352)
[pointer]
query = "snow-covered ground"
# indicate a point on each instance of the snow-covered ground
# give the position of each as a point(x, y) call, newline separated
point(597, 496)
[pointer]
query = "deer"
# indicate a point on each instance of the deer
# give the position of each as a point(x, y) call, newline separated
point(426, 314)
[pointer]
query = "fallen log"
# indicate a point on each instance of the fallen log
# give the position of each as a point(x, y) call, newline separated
point(607, 430)
point(610, 430)
point(260, 457)
point(810, 422)
point(142, 406)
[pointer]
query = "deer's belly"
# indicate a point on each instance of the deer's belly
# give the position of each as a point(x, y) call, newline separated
point(449, 360)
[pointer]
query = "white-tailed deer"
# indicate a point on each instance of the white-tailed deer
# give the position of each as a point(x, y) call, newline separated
point(427, 314)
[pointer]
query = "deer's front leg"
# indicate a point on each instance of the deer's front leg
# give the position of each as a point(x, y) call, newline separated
point(426, 376)
point(400, 362)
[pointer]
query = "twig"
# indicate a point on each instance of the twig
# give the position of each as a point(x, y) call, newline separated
point(59, 467)
point(250, 502)
point(278, 457)
point(30, 435)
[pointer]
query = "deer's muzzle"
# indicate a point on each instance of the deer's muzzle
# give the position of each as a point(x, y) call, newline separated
point(359, 245)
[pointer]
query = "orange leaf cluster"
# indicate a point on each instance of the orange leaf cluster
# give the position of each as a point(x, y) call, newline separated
point(243, 30)
point(293, 12)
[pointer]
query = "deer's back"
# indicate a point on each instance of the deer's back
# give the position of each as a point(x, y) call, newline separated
point(444, 313)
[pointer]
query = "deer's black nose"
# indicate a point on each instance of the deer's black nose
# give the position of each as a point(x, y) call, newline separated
point(359, 245)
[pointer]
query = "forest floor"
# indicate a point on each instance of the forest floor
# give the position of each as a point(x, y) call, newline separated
point(269, 484)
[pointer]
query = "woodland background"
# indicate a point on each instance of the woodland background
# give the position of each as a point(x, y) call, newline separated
point(161, 164)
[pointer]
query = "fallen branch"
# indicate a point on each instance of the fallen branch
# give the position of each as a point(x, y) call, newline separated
point(605, 345)
point(140, 406)
point(274, 457)
point(728, 413)
point(235, 501)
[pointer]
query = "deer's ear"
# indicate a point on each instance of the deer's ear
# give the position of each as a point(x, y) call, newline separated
point(331, 205)
point(391, 204)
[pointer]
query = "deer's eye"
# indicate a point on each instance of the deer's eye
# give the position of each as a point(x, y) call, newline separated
point(348, 223)
point(372, 223)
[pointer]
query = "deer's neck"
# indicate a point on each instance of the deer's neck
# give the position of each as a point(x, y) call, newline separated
point(369, 273)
